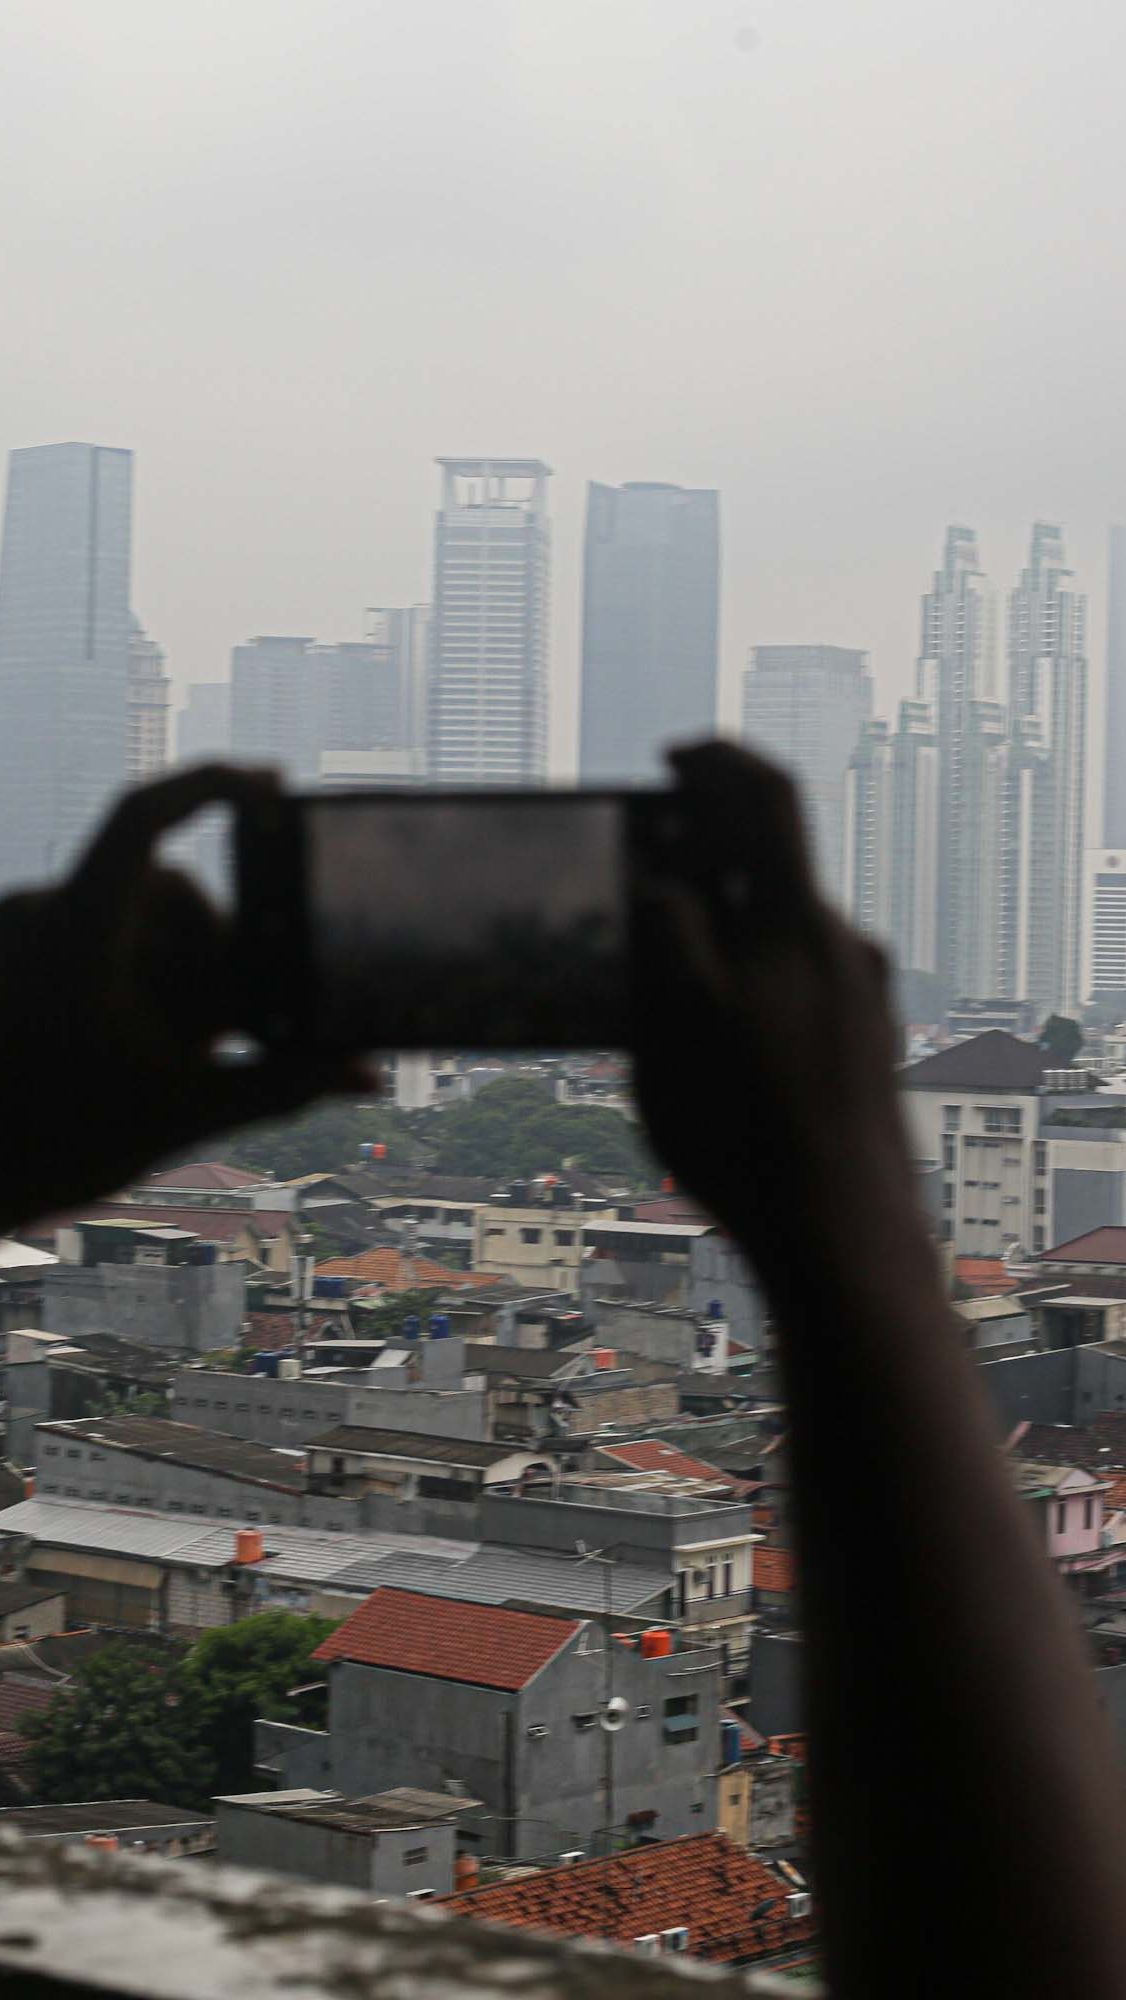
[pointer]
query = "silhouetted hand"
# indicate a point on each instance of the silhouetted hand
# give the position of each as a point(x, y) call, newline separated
point(764, 1044)
point(114, 988)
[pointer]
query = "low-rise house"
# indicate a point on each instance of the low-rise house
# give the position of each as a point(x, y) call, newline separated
point(30, 1611)
point(153, 1282)
point(558, 1739)
point(401, 1842)
point(408, 1465)
point(138, 1824)
point(420, 1387)
point(702, 1896)
point(133, 1461)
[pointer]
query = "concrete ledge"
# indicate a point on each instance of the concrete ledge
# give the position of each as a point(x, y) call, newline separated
point(75, 1919)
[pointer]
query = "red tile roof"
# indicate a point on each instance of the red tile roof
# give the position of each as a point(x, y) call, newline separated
point(210, 1174)
point(450, 1641)
point(1098, 1446)
point(704, 1883)
point(774, 1569)
point(20, 1697)
point(654, 1455)
point(988, 1276)
point(388, 1267)
point(267, 1331)
point(1098, 1246)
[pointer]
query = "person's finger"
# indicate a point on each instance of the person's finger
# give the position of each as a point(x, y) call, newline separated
point(748, 814)
point(183, 957)
point(234, 1096)
point(122, 848)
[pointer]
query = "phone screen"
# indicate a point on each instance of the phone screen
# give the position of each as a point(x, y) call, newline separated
point(494, 921)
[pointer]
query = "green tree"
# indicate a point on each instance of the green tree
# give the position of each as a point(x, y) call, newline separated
point(239, 1672)
point(1061, 1039)
point(325, 1138)
point(515, 1127)
point(122, 1730)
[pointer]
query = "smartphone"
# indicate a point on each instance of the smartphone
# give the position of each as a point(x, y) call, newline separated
point(442, 919)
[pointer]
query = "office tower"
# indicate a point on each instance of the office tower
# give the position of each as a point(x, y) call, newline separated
point(1104, 956)
point(1114, 785)
point(650, 669)
point(488, 654)
point(148, 694)
point(955, 670)
point(805, 706)
point(64, 650)
point(403, 632)
point(984, 750)
point(1048, 703)
point(868, 849)
point(294, 701)
point(203, 726)
point(915, 839)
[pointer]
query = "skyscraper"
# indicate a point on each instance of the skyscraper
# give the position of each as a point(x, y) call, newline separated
point(914, 833)
point(650, 626)
point(1114, 788)
point(147, 701)
point(294, 701)
point(868, 846)
point(955, 671)
point(488, 654)
point(403, 632)
point(64, 650)
point(1048, 704)
point(806, 706)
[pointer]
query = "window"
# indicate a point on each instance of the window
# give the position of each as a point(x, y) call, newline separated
point(997, 1119)
point(415, 1855)
point(1040, 1156)
point(564, 1238)
point(681, 1722)
point(948, 1195)
point(1088, 1513)
point(1061, 1516)
point(728, 1576)
point(951, 1117)
point(682, 1593)
point(1040, 1201)
point(1038, 1239)
point(530, 1235)
point(949, 1155)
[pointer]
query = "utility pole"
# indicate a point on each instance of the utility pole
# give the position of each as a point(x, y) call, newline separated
point(606, 1559)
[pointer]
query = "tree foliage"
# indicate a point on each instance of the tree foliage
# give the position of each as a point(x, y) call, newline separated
point(238, 1672)
point(143, 1722)
point(122, 1730)
point(515, 1127)
point(325, 1138)
point(1061, 1038)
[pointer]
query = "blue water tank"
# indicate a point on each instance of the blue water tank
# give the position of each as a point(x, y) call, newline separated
point(715, 1309)
point(330, 1288)
point(731, 1742)
point(439, 1326)
point(265, 1364)
point(411, 1327)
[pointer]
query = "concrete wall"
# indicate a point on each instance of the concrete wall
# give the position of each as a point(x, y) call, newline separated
point(271, 1411)
point(35, 1621)
point(184, 1308)
point(717, 1271)
point(1084, 1198)
point(650, 1529)
point(394, 1729)
point(80, 1469)
point(1065, 1386)
point(775, 1706)
point(253, 1837)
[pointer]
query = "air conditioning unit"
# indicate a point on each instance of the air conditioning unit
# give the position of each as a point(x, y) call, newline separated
point(538, 1730)
point(572, 1855)
point(643, 1712)
point(649, 1941)
point(675, 1939)
point(420, 1895)
point(798, 1905)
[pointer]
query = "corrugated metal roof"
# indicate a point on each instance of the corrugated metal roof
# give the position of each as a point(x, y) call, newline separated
point(496, 1575)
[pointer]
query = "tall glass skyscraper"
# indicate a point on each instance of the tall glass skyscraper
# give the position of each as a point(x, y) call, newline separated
point(650, 627)
point(806, 706)
point(488, 645)
point(64, 650)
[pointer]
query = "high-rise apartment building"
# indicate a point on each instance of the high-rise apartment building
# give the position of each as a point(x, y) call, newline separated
point(487, 719)
point(1104, 956)
point(148, 696)
point(1048, 705)
point(1114, 770)
point(955, 671)
point(914, 831)
point(805, 706)
point(294, 702)
point(650, 671)
point(64, 650)
point(868, 844)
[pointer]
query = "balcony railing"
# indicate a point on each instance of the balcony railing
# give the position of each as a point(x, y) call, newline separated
point(716, 1610)
point(82, 1922)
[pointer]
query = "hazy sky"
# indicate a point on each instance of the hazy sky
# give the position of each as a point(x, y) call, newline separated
point(857, 263)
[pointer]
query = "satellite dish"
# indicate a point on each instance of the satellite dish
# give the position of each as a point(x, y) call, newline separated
point(615, 1714)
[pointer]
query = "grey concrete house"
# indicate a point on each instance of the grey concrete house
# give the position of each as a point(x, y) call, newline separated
point(397, 1843)
point(558, 1727)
